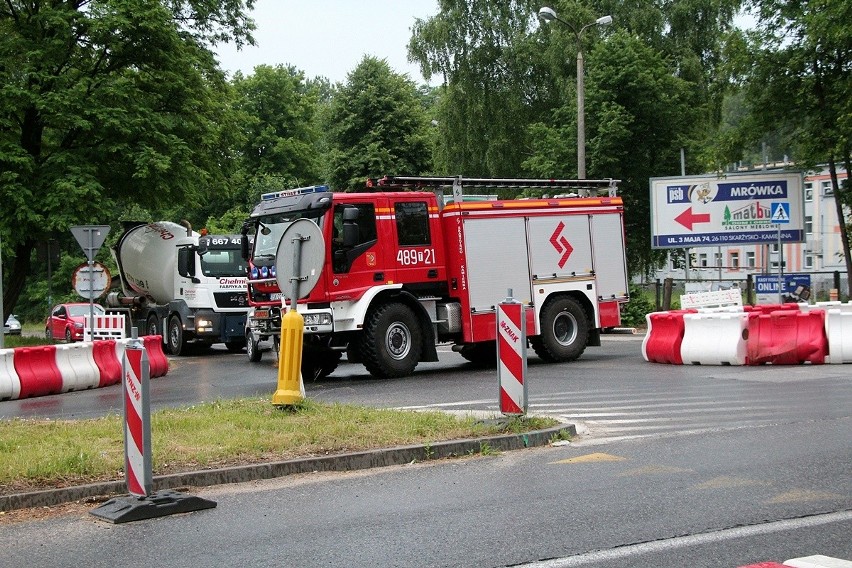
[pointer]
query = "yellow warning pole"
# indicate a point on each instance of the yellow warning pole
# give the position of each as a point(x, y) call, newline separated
point(290, 390)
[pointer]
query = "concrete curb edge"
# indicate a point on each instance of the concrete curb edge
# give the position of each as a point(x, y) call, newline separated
point(339, 462)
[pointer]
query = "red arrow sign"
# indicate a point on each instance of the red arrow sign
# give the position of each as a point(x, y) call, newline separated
point(688, 218)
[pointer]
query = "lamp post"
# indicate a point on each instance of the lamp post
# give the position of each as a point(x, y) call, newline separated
point(548, 15)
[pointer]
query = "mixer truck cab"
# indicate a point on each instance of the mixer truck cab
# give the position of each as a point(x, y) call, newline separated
point(187, 287)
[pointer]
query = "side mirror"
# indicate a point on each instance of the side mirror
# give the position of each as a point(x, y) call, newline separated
point(244, 241)
point(351, 235)
point(186, 262)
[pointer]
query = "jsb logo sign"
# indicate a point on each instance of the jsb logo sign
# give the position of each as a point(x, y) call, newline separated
point(561, 244)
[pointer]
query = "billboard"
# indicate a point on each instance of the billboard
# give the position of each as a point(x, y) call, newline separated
point(796, 287)
point(750, 209)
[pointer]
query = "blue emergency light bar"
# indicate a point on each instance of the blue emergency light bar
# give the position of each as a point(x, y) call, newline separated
point(292, 192)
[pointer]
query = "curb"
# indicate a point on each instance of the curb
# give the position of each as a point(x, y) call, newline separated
point(341, 462)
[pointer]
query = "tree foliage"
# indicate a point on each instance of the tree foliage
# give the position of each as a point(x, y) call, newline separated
point(105, 102)
point(492, 82)
point(802, 77)
point(376, 125)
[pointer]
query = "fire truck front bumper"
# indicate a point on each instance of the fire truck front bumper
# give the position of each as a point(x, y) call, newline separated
point(318, 321)
point(267, 321)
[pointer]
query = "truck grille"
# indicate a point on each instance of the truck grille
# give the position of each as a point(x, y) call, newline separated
point(231, 299)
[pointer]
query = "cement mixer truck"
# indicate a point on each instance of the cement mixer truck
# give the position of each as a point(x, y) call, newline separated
point(191, 287)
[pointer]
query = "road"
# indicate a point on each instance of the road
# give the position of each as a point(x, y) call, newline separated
point(611, 393)
point(677, 466)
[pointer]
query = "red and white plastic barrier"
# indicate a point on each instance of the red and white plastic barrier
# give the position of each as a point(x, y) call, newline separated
point(780, 334)
point(838, 330)
point(10, 384)
point(714, 338)
point(53, 369)
point(787, 337)
point(76, 364)
point(664, 337)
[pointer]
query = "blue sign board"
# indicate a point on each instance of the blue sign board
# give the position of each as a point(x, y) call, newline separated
point(797, 287)
point(737, 210)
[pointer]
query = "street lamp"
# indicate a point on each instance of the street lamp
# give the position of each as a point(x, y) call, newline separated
point(548, 15)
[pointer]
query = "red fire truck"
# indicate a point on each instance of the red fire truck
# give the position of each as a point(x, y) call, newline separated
point(404, 271)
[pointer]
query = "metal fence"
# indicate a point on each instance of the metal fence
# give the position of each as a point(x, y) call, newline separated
point(822, 286)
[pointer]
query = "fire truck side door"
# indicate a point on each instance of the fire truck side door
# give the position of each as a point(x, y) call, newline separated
point(418, 256)
point(356, 250)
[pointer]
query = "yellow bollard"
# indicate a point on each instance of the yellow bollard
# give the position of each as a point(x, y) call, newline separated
point(290, 390)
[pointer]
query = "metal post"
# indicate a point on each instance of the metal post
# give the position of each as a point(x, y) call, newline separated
point(780, 267)
point(2, 315)
point(91, 262)
point(581, 114)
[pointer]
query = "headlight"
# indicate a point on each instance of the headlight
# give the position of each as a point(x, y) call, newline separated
point(318, 319)
point(203, 324)
point(78, 325)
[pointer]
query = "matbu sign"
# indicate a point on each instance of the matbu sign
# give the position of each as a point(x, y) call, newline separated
point(737, 210)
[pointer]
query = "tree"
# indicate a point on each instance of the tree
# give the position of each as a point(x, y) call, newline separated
point(495, 83)
point(376, 125)
point(278, 107)
point(801, 77)
point(105, 102)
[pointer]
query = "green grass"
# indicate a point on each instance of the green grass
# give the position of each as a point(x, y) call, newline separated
point(50, 453)
point(12, 341)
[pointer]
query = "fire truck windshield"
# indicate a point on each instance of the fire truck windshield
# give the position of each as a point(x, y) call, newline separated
point(270, 230)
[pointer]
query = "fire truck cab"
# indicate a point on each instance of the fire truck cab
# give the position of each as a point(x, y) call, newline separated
point(405, 271)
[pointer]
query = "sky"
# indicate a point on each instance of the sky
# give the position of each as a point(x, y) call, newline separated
point(329, 37)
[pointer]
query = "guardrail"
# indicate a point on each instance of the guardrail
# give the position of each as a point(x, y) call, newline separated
point(52, 369)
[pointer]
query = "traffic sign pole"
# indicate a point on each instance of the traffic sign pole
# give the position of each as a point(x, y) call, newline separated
point(90, 238)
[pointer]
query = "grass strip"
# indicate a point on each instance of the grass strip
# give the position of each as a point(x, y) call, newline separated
point(36, 454)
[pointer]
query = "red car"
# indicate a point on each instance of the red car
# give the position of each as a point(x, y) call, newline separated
point(67, 320)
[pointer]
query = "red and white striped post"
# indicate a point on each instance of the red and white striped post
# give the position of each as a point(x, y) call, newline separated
point(142, 502)
point(512, 357)
point(136, 372)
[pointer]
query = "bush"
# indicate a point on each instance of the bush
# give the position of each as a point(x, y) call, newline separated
point(641, 303)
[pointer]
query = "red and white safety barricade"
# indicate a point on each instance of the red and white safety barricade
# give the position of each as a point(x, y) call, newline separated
point(10, 383)
point(512, 357)
point(135, 372)
point(106, 326)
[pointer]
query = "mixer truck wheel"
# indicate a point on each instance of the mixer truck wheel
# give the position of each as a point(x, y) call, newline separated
point(153, 327)
point(176, 342)
point(391, 343)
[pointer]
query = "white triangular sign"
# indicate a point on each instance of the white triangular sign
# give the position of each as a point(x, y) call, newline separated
point(90, 237)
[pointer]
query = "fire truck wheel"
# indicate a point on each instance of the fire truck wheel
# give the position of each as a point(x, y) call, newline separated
point(253, 349)
point(176, 344)
point(391, 343)
point(318, 364)
point(564, 331)
point(481, 354)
